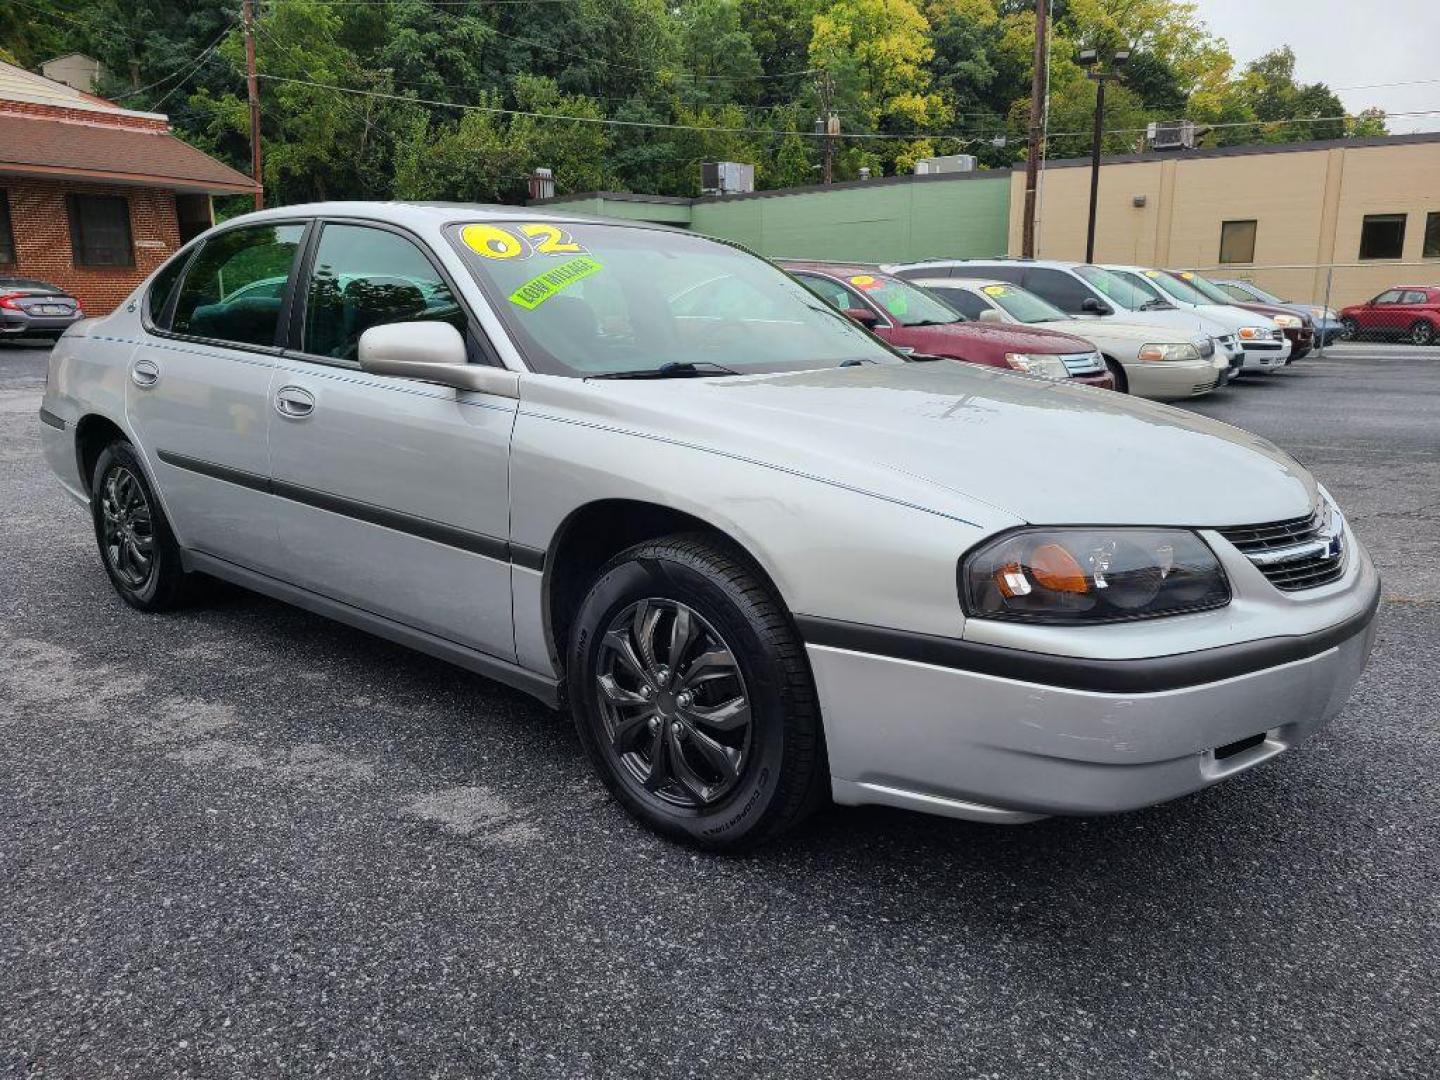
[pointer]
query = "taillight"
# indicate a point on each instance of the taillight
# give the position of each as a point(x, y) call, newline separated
point(7, 300)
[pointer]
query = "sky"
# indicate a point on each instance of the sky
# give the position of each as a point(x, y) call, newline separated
point(1345, 43)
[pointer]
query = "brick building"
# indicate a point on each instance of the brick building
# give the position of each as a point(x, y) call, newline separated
point(94, 196)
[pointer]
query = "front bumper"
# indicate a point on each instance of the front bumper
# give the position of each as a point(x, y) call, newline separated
point(1171, 380)
point(1068, 736)
point(1266, 355)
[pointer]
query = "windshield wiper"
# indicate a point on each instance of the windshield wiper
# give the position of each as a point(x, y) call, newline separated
point(1157, 305)
point(931, 322)
point(676, 369)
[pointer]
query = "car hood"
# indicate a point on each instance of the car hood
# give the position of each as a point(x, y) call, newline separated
point(1012, 336)
point(948, 437)
point(1139, 333)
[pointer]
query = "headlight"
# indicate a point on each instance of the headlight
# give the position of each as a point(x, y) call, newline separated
point(1177, 351)
point(1077, 576)
point(1254, 333)
point(1289, 322)
point(1324, 313)
point(1050, 367)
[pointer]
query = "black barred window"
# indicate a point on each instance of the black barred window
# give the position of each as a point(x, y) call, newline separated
point(100, 230)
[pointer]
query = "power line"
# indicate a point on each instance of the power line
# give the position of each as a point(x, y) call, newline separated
point(609, 122)
point(183, 76)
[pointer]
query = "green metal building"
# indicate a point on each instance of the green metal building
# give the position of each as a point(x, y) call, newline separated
point(892, 219)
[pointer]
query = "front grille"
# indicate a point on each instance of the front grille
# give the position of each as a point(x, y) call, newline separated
point(1301, 553)
point(1083, 363)
point(1203, 387)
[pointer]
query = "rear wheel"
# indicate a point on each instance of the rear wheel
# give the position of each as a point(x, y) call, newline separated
point(136, 544)
point(1422, 333)
point(693, 698)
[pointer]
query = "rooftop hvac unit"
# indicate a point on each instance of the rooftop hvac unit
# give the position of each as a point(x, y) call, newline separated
point(726, 178)
point(951, 163)
point(1172, 135)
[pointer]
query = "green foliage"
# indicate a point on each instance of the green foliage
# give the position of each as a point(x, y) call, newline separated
point(439, 92)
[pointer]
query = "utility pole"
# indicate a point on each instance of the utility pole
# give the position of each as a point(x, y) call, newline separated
point(1090, 60)
point(828, 125)
point(1037, 130)
point(252, 86)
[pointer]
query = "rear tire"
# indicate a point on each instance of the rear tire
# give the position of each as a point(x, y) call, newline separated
point(1422, 333)
point(137, 548)
point(693, 698)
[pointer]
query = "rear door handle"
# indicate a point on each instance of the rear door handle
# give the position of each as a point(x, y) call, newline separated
point(145, 373)
point(294, 403)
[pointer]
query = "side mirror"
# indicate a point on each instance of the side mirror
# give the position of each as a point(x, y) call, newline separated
point(864, 316)
point(991, 315)
point(1095, 307)
point(431, 352)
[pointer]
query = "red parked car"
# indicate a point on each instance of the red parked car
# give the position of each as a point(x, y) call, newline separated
point(1408, 312)
point(915, 321)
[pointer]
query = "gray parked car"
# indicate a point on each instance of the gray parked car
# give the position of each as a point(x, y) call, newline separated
point(30, 308)
point(762, 557)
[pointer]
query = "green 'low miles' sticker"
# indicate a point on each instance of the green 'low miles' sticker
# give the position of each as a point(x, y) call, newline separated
point(543, 286)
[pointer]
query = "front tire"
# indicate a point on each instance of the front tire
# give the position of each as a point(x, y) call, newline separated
point(137, 547)
point(1122, 384)
point(1349, 330)
point(693, 698)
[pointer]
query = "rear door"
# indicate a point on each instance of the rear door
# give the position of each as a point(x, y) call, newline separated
point(197, 393)
point(392, 495)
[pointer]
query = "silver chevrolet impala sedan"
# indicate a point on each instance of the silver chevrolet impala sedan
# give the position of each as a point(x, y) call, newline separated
point(761, 557)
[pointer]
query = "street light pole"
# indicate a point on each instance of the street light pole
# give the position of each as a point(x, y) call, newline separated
point(1090, 60)
point(1095, 163)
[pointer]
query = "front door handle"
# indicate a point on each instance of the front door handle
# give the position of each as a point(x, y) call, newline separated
point(294, 403)
point(145, 373)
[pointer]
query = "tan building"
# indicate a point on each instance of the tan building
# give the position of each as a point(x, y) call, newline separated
point(1278, 215)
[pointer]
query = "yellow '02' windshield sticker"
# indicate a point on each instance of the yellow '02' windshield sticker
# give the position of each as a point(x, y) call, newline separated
point(519, 241)
point(994, 290)
point(543, 286)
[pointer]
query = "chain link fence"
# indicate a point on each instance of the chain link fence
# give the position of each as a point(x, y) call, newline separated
point(1381, 301)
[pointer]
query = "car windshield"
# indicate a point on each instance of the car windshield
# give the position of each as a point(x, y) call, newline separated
point(586, 298)
point(1206, 288)
point(1022, 305)
point(903, 302)
point(1176, 288)
point(1126, 292)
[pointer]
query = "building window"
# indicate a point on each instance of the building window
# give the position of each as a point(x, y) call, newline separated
point(100, 230)
point(7, 238)
point(1237, 241)
point(1432, 235)
point(1382, 236)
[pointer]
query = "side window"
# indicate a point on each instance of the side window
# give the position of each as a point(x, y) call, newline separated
point(962, 300)
point(1391, 296)
point(1413, 296)
point(162, 287)
point(366, 277)
point(1059, 288)
point(232, 291)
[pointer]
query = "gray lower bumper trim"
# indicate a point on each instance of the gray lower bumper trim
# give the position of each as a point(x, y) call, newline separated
point(1145, 675)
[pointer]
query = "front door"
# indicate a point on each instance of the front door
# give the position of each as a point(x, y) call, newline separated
point(197, 392)
point(391, 495)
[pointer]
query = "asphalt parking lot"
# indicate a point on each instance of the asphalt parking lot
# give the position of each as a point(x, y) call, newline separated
point(243, 841)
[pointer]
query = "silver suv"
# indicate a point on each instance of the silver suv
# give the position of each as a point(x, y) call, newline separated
point(763, 558)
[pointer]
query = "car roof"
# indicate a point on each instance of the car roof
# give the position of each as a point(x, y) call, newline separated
point(970, 283)
point(838, 269)
point(996, 260)
point(435, 214)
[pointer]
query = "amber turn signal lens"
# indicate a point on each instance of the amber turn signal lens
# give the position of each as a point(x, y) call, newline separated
point(1055, 568)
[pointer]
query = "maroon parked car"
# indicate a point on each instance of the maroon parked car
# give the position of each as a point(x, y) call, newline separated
point(1408, 312)
point(913, 320)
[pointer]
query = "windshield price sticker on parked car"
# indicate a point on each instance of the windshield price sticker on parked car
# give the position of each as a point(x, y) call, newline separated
point(519, 241)
point(865, 281)
point(994, 290)
point(543, 286)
